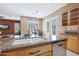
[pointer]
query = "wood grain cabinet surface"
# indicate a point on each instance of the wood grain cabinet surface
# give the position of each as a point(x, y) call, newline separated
point(73, 44)
point(71, 16)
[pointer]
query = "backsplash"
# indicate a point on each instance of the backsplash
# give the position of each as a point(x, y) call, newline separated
point(68, 28)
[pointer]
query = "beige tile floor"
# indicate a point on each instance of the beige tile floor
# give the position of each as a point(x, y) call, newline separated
point(69, 53)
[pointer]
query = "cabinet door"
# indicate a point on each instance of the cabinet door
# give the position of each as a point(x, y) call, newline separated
point(65, 19)
point(72, 44)
point(74, 16)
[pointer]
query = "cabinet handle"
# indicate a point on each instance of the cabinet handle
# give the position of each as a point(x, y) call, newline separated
point(60, 45)
point(34, 52)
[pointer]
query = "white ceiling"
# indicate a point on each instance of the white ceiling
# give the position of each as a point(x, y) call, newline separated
point(39, 10)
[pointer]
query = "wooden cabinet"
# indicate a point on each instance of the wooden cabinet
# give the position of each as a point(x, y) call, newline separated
point(65, 19)
point(42, 50)
point(73, 44)
point(73, 24)
point(70, 17)
point(74, 16)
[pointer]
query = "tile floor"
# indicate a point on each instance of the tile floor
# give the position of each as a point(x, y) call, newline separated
point(69, 53)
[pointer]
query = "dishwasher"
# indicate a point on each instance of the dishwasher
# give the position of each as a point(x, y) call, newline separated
point(59, 48)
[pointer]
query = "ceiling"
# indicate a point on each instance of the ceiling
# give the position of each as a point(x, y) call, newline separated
point(39, 10)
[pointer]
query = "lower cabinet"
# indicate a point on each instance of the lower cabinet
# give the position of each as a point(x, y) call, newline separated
point(42, 50)
point(73, 44)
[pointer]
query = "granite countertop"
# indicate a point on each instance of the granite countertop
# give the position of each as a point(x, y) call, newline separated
point(7, 46)
point(72, 33)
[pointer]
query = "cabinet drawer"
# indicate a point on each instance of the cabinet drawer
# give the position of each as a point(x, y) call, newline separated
point(39, 49)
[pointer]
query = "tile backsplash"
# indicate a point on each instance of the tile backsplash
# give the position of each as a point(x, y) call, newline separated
point(73, 27)
point(68, 28)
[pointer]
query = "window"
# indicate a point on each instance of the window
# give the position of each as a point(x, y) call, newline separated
point(32, 25)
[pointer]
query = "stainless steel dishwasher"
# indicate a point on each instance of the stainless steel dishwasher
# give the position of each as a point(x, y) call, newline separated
point(59, 48)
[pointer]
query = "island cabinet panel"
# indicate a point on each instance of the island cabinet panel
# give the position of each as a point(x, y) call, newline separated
point(73, 44)
point(43, 50)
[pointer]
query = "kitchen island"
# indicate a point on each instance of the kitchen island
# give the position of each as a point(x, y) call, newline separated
point(32, 47)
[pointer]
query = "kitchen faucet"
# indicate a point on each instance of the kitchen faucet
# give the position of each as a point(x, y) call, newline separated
point(33, 28)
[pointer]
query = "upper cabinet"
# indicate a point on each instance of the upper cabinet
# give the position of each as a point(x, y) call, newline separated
point(74, 16)
point(71, 17)
point(65, 19)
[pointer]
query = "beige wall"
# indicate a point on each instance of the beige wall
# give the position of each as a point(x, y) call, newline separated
point(44, 27)
point(23, 25)
point(24, 28)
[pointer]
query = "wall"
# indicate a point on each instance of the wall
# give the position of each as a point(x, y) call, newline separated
point(58, 12)
point(44, 27)
point(24, 28)
point(52, 30)
point(10, 23)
